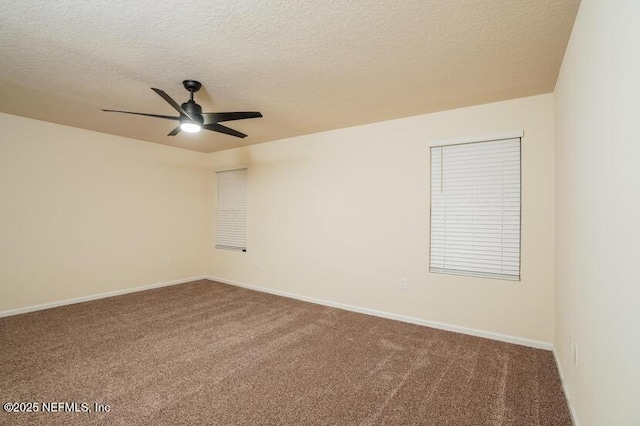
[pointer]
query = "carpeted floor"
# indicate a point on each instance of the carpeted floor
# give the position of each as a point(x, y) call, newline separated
point(205, 353)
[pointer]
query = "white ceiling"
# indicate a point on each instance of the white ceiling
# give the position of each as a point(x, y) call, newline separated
point(308, 66)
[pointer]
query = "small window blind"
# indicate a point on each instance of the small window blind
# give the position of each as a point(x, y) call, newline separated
point(475, 209)
point(231, 210)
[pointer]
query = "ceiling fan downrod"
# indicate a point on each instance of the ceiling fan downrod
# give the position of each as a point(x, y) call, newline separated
point(194, 121)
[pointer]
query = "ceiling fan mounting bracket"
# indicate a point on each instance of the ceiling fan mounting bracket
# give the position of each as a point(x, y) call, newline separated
point(192, 85)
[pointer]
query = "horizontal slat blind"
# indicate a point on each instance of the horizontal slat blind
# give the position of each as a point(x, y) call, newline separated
point(231, 211)
point(475, 209)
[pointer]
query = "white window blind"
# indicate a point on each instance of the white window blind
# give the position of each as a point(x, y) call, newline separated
point(231, 210)
point(475, 209)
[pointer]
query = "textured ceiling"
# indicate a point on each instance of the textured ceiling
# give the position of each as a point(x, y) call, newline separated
point(308, 66)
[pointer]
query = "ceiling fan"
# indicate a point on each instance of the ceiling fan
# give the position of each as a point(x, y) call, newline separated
point(192, 119)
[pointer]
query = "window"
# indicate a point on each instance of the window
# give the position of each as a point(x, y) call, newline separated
point(475, 207)
point(231, 210)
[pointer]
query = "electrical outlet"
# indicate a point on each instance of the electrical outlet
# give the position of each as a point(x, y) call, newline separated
point(575, 354)
point(403, 283)
point(169, 259)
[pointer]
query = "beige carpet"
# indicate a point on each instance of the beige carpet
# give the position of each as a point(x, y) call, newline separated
point(206, 353)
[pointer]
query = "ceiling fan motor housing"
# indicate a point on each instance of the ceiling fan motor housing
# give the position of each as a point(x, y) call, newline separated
point(194, 110)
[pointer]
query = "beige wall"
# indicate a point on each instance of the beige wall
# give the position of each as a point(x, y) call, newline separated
point(344, 215)
point(598, 212)
point(83, 213)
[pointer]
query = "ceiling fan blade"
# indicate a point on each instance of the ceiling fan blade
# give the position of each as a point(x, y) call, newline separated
point(215, 117)
point(171, 102)
point(223, 129)
point(174, 131)
point(167, 117)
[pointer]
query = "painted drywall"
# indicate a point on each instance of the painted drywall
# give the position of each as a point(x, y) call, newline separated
point(83, 213)
point(343, 216)
point(597, 211)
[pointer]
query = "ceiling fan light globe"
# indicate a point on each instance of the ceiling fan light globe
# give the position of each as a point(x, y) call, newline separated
point(190, 127)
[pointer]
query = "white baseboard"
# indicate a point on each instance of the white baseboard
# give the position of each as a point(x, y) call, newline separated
point(97, 296)
point(368, 311)
point(397, 317)
point(574, 417)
